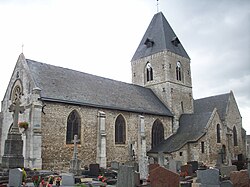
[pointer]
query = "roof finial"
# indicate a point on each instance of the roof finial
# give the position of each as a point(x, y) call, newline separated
point(22, 48)
point(157, 5)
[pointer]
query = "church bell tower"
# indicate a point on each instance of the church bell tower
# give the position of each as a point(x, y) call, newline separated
point(162, 64)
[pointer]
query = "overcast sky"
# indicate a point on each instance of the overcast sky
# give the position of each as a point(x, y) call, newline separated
point(101, 36)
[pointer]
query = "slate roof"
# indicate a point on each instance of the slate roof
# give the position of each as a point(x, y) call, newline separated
point(193, 126)
point(70, 86)
point(209, 103)
point(162, 35)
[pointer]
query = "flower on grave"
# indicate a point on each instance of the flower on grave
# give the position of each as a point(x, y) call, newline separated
point(102, 178)
point(23, 124)
point(183, 174)
point(24, 175)
point(36, 180)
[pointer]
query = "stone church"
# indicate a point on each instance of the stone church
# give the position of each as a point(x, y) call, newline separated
point(116, 121)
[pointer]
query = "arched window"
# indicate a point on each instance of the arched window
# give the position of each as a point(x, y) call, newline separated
point(120, 130)
point(235, 136)
point(149, 72)
point(178, 71)
point(157, 133)
point(218, 133)
point(73, 127)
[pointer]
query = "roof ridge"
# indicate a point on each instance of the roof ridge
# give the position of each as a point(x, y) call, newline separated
point(74, 70)
point(213, 96)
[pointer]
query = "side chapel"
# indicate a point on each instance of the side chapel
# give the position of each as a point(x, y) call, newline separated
point(117, 121)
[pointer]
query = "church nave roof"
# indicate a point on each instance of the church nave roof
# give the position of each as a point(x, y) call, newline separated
point(70, 86)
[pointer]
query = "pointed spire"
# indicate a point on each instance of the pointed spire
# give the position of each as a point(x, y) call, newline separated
point(158, 37)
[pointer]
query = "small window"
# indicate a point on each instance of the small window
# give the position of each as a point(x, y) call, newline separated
point(180, 153)
point(218, 133)
point(182, 107)
point(149, 42)
point(202, 147)
point(235, 136)
point(149, 72)
point(178, 71)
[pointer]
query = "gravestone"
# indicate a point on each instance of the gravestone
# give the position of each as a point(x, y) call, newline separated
point(161, 177)
point(188, 169)
point(94, 170)
point(178, 165)
point(208, 177)
point(151, 160)
point(75, 163)
point(248, 169)
point(172, 166)
point(226, 170)
point(239, 178)
point(194, 164)
point(161, 158)
point(115, 165)
point(226, 183)
point(220, 159)
point(68, 179)
point(133, 164)
point(127, 177)
point(13, 149)
point(15, 177)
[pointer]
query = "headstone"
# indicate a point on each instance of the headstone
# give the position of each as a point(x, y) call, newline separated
point(226, 170)
point(226, 183)
point(172, 166)
point(187, 169)
point(248, 169)
point(220, 159)
point(75, 163)
point(127, 177)
point(133, 164)
point(161, 177)
point(151, 160)
point(115, 165)
point(94, 169)
point(13, 149)
point(185, 184)
point(208, 177)
point(178, 165)
point(68, 179)
point(239, 178)
point(15, 177)
point(161, 158)
point(194, 165)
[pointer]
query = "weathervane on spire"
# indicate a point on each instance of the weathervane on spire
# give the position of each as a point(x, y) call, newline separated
point(157, 5)
point(22, 48)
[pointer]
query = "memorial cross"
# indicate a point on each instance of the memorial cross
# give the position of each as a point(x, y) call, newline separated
point(222, 155)
point(75, 147)
point(16, 108)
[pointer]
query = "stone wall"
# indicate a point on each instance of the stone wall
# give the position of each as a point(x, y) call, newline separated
point(193, 151)
point(57, 154)
point(19, 73)
point(234, 118)
point(177, 95)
